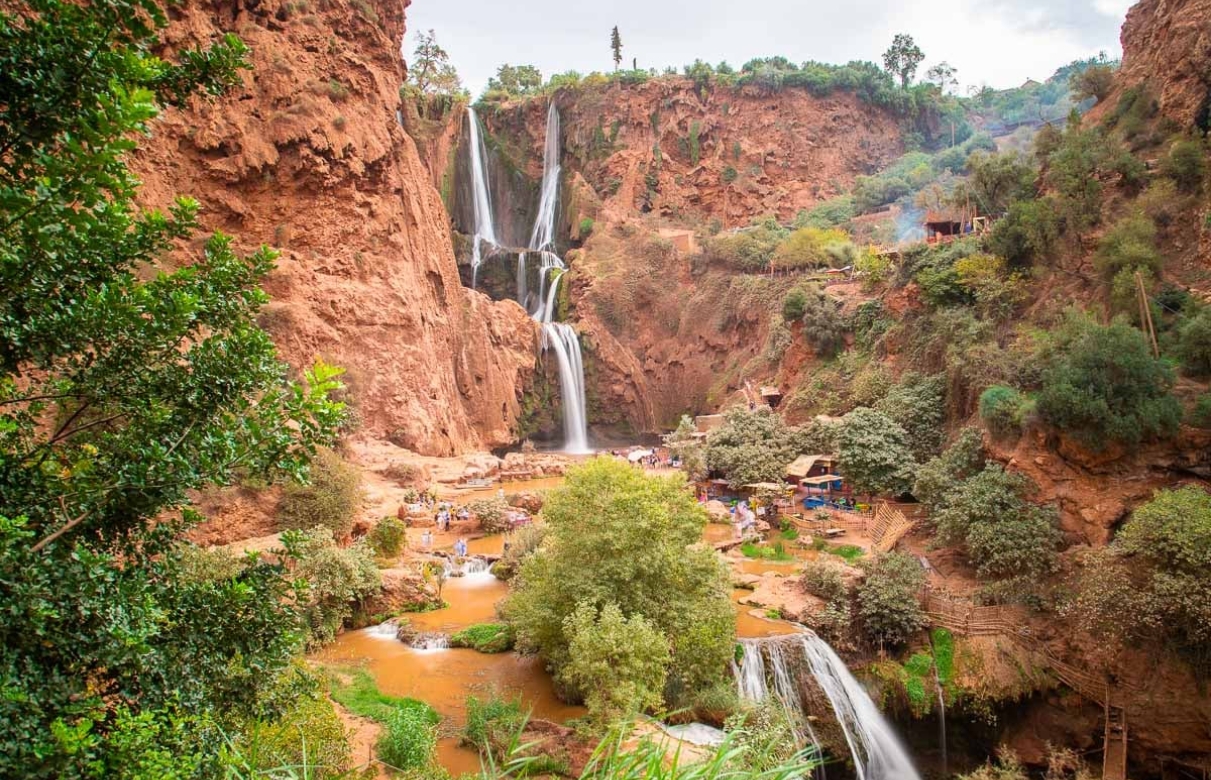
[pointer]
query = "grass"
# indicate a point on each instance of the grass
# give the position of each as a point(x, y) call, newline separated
point(850, 552)
point(485, 638)
point(356, 691)
point(777, 552)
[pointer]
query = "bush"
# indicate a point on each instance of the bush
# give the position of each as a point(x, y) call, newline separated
point(888, 599)
point(409, 741)
point(757, 445)
point(1200, 415)
point(309, 733)
point(918, 405)
point(331, 500)
point(484, 638)
point(1194, 342)
point(492, 723)
point(823, 581)
point(824, 326)
point(521, 544)
point(1108, 387)
point(1092, 82)
point(338, 578)
point(1186, 164)
point(1003, 410)
point(1130, 245)
point(491, 513)
point(387, 537)
point(997, 292)
point(794, 305)
point(617, 535)
point(1006, 536)
point(1028, 233)
point(962, 459)
point(586, 227)
point(620, 663)
point(812, 248)
point(749, 250)
point(874, 454)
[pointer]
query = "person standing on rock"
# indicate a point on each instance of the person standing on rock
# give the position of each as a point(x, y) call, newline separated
point(426, 540)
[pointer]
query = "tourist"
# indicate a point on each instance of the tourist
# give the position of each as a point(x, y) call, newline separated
point(464, 514)
point(426, 540)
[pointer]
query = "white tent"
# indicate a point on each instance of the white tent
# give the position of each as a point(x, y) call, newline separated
point(639, 455)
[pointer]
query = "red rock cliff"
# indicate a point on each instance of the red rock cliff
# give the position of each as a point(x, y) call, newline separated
point(1167, 43)
point(308, 156)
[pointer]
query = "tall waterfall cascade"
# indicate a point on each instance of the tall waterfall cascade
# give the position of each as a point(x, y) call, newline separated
point(481, 199)
point(767, 668)
point(557, 337)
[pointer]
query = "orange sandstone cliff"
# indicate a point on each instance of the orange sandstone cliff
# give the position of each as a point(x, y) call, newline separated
point(308, 156)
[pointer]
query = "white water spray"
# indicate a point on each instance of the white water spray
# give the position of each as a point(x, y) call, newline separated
point(877, 752)
point(481, 200)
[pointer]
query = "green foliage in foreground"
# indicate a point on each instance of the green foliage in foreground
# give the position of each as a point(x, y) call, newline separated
point(485, 638)
point(126, 383)
point(409, 739)
point(492, 722)
point(618, 536)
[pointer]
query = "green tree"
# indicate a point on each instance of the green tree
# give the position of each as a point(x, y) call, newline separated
point(685, 444)
point(903, 58)
point(824, 324)
point(757, 445)
point(621, 663)
point(874, 453)
point(1194, 342)
point(387, 537)
point(939, 476)
point(998, 180)
point(1006, 536)
point(430, 70)
point(1092, 82)
point(944, 75)
point(889, 603)
point(338, 578)
point(516, 80)
point(331, 498)
point(1107, 387)
point(616, 46)
point(124, 385)
point(917, 403)
point(617, 535)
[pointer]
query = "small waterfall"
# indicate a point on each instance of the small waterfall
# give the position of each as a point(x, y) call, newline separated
point(466, 567)
point(522, 292)
point(485, 225)
point(876, 750)
point(429, 642)
point(543, 234)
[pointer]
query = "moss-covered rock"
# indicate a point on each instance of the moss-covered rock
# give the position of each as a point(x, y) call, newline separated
point(485, 638)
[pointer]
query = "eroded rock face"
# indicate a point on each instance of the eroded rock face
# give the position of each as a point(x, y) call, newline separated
point(1167, 43)
point(309, 156)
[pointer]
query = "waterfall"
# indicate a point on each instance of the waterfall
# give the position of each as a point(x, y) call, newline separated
point(481, 201)
point(876, 750)
point(522, 292)
point(562, 339)
point(543, 234)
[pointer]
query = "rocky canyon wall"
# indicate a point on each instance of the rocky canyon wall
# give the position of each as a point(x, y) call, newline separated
point(1167, 44)
point(309, 156)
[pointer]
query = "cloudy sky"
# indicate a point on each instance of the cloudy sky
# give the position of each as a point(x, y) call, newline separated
point(996, 42)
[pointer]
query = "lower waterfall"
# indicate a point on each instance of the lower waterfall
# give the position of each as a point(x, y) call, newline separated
point(769, 667)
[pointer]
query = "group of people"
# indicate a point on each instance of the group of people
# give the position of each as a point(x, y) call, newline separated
point(460, 544)
point(445, 514)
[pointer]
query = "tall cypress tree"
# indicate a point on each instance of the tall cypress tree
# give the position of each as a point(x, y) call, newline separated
point(616, 45)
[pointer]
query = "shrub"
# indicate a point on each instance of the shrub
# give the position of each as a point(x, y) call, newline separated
point(962, 459)
point(492, 723)
point(616, 534)
point(1003, 409)
point(409, 741)
point(830, 213)
point(874, 454)
point(1200, 415)
point(823, 581)
point(918, 405)
point(586, 227)
point(729, 175)
point(1172, 532)
point(757, 445)
point(338, 578)
point(309, 733)
point(338, 91)
point(387, 537)
point(1006, 536)
point(1194, 342)
point(1108, 387)
point(1092, 82)
point(888, 599)
point(1130, 245)
point(521, 544)
point(331, 500)
point(1186, 164)
point(484, 638)
point(999, 180)
point(812, 248)
point(824, 326)
point(996, 291)
point(620, 663)
point(1028, 233)
point(491, 513)
point(794, 305)
point(749, 250)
